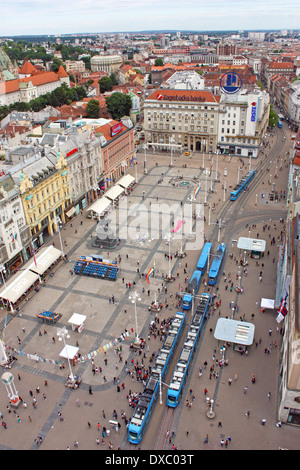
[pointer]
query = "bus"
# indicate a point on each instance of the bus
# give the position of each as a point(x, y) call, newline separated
point(147, 400)
point(181, 369)
point(216, 264)
point(242, 185)
point(204, 257)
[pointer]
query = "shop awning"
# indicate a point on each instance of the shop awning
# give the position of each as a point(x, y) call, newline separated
point(126, 181)
point(45, 258)
point(71, 212)
point(114, 192)
point(19, 286)
point(100, 206)
point(234, 331)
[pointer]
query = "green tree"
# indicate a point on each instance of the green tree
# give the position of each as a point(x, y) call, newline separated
point(56, 63)
point(159, 62)
point(113, 79)
point(272, 117)
point(105, 84)
point(93, 109)
point(118, 105)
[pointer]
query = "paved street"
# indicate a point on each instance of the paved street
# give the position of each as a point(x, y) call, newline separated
point(65, 293)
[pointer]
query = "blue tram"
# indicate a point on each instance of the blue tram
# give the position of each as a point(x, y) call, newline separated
point(143, 411)
point(191, 290)
point(204, 257)
point(241, 186)
point(186, 355)
point(216, 264)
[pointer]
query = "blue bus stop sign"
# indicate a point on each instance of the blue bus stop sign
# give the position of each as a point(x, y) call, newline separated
point(230, 82)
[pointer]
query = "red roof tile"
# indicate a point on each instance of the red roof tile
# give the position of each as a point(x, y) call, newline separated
point(27, 68)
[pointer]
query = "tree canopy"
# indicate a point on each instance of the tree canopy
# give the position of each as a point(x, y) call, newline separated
point(93, 109)
point(58, 97)
point(118, 105)
point(106, 83)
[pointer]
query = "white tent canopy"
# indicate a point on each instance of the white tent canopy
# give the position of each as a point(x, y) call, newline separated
point(100, 206)
point(267, 303)
point(19, 286)
point(114, 192)
point(47, 256)
point(77, 320)
point(126, 181)
point(69, 352)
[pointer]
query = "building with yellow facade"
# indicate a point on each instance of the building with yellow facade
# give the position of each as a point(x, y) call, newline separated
point(45, 191)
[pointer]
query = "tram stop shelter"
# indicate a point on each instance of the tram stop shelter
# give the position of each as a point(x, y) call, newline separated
point(240, 333)
point(77, 321)
point(254, 245)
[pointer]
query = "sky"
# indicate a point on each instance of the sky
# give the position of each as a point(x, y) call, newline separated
point(39, 17)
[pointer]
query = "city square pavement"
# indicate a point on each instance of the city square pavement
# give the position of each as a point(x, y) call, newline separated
point(91, 406)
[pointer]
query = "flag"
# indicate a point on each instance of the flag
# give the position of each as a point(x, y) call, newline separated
point(196, 191)
point(210, 170)
point(282, 312)
point(151, 271)
point(177, 226)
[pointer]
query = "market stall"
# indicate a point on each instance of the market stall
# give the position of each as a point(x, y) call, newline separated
point(267, 303)
point(19, 286)
point(99, 208)
point(46, 258)
point(77, 321)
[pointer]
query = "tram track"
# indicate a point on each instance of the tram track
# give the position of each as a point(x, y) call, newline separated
point(169, 416)
point(262, 170)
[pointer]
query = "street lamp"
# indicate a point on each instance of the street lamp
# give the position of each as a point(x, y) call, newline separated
point(203, 144)
point(172, 140)
point(210, 414)
point(62, 334)
point(145, 147)
point(216, 177)
point(59, 223)
point(134, 297)
point(169, 237)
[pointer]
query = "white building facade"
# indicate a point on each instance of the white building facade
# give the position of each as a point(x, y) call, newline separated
point(14, 232)
point(187, 118)
point(243, 121)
